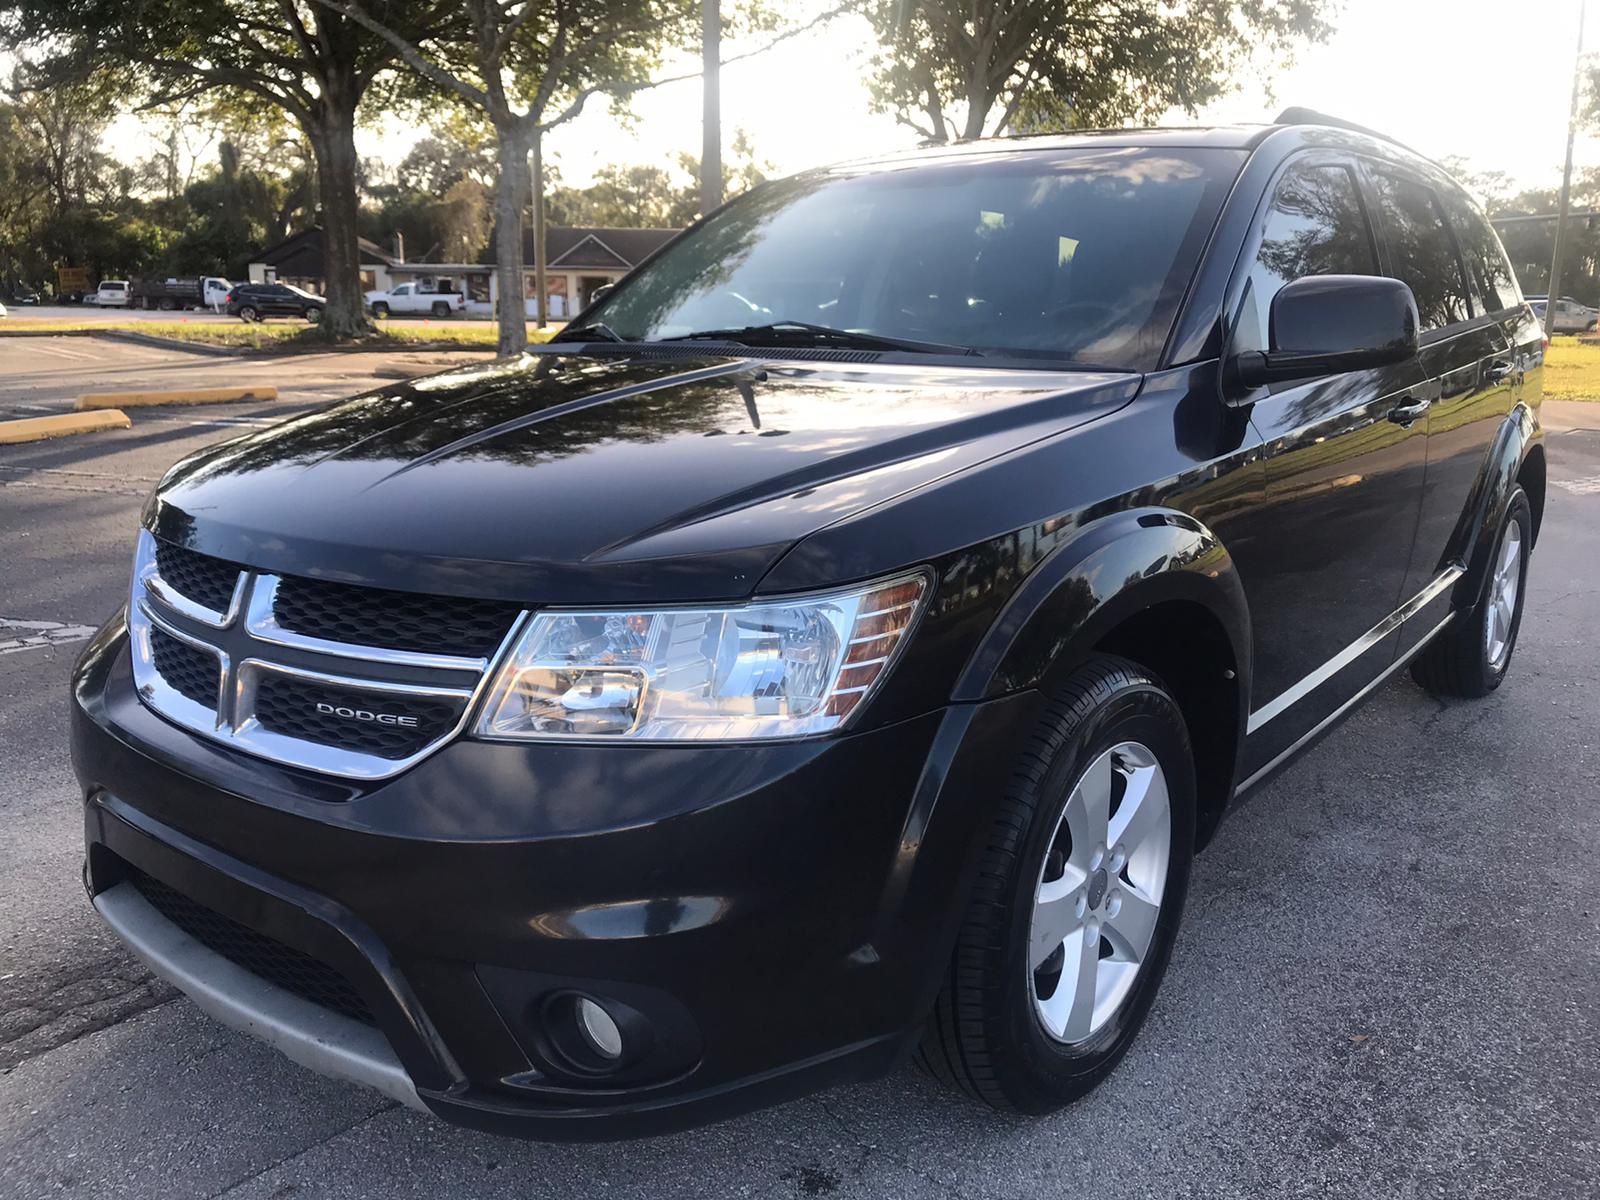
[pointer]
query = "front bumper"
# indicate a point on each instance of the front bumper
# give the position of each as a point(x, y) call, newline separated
point(779, 917)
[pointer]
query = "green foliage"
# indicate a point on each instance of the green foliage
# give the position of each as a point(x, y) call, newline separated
point(644, 196)
point(945, 66)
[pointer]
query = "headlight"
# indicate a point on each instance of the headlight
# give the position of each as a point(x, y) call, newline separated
point(776, 669)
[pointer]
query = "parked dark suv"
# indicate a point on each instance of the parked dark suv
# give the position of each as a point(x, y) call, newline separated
point(252, 302)
point(835, 646)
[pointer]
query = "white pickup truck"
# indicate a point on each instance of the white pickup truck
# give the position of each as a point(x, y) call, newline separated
point(415, 298)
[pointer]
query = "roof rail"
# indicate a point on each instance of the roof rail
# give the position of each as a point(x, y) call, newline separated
point(1295, 115)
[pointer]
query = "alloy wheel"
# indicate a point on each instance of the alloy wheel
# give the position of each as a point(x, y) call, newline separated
point(1098, 898)
point(1502, 599)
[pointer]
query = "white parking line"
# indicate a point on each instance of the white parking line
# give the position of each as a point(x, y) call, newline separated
point(1581, 487)
point(16, 635)
point(57, 351)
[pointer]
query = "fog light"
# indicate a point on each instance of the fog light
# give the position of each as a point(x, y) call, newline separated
point(599, 1030)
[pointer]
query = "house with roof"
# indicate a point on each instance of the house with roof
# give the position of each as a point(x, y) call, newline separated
point(299, 260)
point(579, 261)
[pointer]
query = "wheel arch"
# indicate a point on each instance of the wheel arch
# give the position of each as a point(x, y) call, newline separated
point(1151, 585)
point(1516, 457)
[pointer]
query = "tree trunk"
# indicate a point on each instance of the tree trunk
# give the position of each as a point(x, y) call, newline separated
point(333, 143)
point(508, 204)
point(538, 229)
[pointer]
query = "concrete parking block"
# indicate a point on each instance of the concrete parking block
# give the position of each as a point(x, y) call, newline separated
point(36, 429)
point(97, 400)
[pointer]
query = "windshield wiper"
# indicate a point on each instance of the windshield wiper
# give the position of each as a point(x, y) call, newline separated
point(849, 337)
point(594, 331)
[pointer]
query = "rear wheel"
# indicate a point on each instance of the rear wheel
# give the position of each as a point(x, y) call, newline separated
point(1471, 657)
point(441, 309)
point(1082, 878)
point(249, 314)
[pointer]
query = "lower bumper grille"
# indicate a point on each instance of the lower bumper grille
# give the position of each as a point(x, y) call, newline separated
point(267, 958)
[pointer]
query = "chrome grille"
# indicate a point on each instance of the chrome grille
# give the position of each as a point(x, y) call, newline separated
point(186, 668)
point(396, 620)
point(300, 708)
point(208, 582)
point(366, 687)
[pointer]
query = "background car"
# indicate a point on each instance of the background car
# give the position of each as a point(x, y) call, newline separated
point(258, 301)
point(22, 295)
point(1571, 315)
point(112, 293)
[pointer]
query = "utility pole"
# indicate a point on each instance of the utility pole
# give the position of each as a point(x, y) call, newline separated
point(538, 229)
point(1566, 180)
point(711, 122)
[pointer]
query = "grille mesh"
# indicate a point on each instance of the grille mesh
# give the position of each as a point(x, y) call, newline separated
point(394, 620)
point(288, 706)
point(198, 577)
point(263, 956)
point(188, 670)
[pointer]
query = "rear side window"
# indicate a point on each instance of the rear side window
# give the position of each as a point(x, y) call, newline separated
point(1493, 286)
point(1419, 243)
point(1316, 226)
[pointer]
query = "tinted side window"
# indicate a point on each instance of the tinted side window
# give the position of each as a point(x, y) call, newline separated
point(1493, 285)
point(1316, 226)
point(1419, 243)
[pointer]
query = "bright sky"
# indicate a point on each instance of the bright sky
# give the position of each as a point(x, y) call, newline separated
point(1475, 78)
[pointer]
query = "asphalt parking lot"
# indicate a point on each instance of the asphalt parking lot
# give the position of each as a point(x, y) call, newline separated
point(1388, 982)
point(42, 375)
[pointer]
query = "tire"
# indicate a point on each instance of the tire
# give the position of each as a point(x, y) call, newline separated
point(991, 1034)
point(380, 310)
point(313, 314)
point(441, 310)
point(249, 314)
point(166, 304)
point(1471, 656)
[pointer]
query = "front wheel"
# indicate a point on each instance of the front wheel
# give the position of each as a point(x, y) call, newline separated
point(313, 314)
point(1082, 874)
point(1471, 656)
point(380, 310)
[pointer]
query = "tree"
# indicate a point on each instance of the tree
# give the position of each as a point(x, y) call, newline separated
point(313, 63)
point(530, 66)
point(645, 196)
point(946, 66)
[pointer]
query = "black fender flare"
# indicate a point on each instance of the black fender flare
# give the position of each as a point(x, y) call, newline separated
point(1117, 567)
point(1519, 436)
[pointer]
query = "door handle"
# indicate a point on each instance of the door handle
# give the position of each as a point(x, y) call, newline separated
point(1408, 413)
point(1498, 371)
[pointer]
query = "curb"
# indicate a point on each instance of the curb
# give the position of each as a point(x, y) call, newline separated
point(116, 400)
point(165, 343)
point(36, 429)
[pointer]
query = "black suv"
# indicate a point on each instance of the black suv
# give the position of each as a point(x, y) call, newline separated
point(835, 646)
point(252, 302)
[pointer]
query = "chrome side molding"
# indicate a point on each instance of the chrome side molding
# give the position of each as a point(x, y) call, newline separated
point(1299, 691)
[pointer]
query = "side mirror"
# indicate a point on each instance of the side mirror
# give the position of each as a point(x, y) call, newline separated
point(1329, 324)
point(600, 291)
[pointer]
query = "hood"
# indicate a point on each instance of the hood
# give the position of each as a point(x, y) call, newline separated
point(573, 479)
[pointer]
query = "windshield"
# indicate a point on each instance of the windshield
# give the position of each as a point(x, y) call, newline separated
point(1080, 255)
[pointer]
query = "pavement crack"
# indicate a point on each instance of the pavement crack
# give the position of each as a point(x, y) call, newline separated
point(867, 1150)
point(233, 1188)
